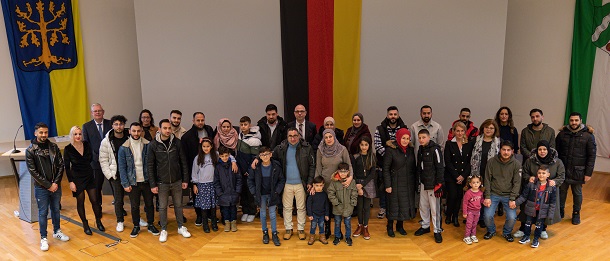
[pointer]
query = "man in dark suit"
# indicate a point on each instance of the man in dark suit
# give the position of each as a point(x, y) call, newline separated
point(306, 129)
point(93, 132)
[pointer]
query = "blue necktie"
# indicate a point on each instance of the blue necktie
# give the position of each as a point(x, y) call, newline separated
point(99, 129)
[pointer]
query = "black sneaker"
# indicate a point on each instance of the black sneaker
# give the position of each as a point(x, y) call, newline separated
point(438, 238)
point(422, 231)
point(265, 237)
point(135, 232)
point(276, 239)
point(509, 237)
point(535, 243)
point(336, 241)
point(199, 221)
point(488, 235)
point(575, 218)
point(152, 229)
point(348, 240)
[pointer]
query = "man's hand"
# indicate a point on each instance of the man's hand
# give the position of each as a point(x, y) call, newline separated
point(310, 218)
point(53, 187)
point(326, 218)
point(512, 205)
point(552, 183)
point(587, 178)
point(487, 202)
point(254, 162)
point(234, 167)
point(390, 144)
point(127, 189)
point(185, 185)
point(347, 181)
point(532, 179)
point(388, 190)
point(155, 190)
point(72, 187)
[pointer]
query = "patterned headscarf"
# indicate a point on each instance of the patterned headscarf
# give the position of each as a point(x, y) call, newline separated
point(228, 140)
point(332, 150)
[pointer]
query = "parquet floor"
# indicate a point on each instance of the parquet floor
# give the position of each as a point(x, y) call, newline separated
point(20, 240)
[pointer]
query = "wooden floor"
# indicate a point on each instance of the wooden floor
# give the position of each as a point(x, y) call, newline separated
point(20, 241)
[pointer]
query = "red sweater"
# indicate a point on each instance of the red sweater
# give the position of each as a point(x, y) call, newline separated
point(472, 201)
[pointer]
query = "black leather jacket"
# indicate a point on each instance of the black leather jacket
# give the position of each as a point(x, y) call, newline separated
point(43, 174)
point(305, 160)
point(166, 164)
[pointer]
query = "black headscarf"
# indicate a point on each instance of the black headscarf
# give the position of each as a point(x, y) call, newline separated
point(548, 159)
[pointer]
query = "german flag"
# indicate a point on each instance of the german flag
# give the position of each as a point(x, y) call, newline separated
point(321, 58)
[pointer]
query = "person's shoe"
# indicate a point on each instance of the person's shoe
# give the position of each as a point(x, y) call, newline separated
point(244, 217)
point(447, 220)
point(535, 243)
point(391, 232)
point(227, 226)
point(312, 239)
point(60, 235)
point(99, 225)
point(301, 234)
point(234, 226)
point(381, 213)
point(143, 223)
point(135, 231)
point(575, 219)
point(199, 221)
point(524, 240)
point(348, 240)
point(365, 233)
point(488, 235)
point(468, 241)
point(500, 212)
point(163, 236)
point(401, 231)
point(456, 222)
point(153, 230)
point(86, 228)
point(518, 234)
point(265, 237)
point(474, 239)
point(323, 240)
point(288, 234)
point(44, 244)
point(214, 226)
point(276, 239)
point(438, 238)
point(358, 231)
point(482, 224)
point(544, 235)
point(509, 237)
point(336, 241)
point(561, 212)
point(422, 231)
point(184, 232)
point(120, 227)
point(250, 218)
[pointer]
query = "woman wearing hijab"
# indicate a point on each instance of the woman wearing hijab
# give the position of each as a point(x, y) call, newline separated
point(542, 155)
point(355, 133)
point(400, 182)
point(226, 135)
point(329, 123)
point(486, 146)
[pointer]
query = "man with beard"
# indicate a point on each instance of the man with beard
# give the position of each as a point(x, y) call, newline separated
point(436, 130)
point(190, 145)
point(384, 135)
point(534, 132)
point(464, 117)
point(307, 129)
point(577, 149)
point(175, 116)
point(272, 127)
point(94, 132)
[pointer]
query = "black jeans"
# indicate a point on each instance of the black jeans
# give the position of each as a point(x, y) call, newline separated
point(454, 199)
point(119, 194)
point(141, 189)
point(229, 212)
point(363, 208)
point(246, 199)
point(99, 178)
point(576, 195)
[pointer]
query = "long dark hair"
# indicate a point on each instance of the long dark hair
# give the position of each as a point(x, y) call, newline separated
point(370, 159)
point(152, 120)
point(510, 121)
point(201, 154)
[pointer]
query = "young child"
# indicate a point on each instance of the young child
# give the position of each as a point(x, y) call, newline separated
point(203, 179)
point(540, 198)
point(227, 187)
point(471, 207)
point(364, 165)
point(430, 170)
point(318, 210)
point(344, 200)
point(247, 149)
point(266, 183)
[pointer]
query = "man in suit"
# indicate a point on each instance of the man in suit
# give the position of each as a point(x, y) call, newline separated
point(306, 129)
point(93, 132)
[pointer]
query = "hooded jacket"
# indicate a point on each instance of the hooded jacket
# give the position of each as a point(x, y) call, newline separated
point(529, 142)
point(278, 136)
point(108, 160)
point(430, 165)
point(166, 164)
point(45, 172)
point(227, 184)
point(577, 150)
point(343, 199)
point(502, 178)
point(547, 203)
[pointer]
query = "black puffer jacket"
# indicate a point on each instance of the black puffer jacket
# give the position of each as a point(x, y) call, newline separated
point(255, 183)
point(430, 165)
point(547, 204)
point(166, 164)
point(399, 173)
point(227, 184)
point(43, 173)
point(306, 162)
point(577, 150)
point(278, 135)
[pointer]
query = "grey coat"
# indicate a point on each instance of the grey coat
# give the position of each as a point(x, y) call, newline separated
point(557, 170)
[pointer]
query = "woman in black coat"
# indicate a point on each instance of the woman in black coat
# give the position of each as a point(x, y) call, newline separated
point(457, 169)
point(354, 134)
point(400, 182)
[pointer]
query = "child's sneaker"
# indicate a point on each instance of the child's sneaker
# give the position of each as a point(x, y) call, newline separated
point(348, 240)
point(474, 239)
point(544, 235)
point(44, 244)
point(381, 214)
point(535, 243)
point(518, 234)
point(524, 240)
point(312, 239)
point(184, 232)
point(59, 235)
point(336, 241)
point(467, 240)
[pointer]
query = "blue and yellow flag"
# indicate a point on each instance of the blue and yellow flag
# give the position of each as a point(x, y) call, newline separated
point(47, 54)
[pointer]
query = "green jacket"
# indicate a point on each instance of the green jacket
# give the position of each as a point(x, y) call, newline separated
point(529, 142)
point(502, 178)
point(343, 199)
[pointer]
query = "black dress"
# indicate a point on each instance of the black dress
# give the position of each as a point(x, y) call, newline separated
point(78, 168)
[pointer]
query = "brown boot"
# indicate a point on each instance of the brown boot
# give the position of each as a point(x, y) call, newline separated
point(301, 234)
point(312, 238)
point(234, 226)
point(358, 231)
point(365, 232)
point(323, 239)
point(288, 234)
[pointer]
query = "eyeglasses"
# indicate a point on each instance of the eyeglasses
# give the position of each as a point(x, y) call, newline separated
point(118, 124)
point(265, 154)
point(300, 111)
point(98, 111)
point(343, 170)
point(293, 136)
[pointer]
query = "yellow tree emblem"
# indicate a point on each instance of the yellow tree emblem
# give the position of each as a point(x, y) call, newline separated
point(40, 28)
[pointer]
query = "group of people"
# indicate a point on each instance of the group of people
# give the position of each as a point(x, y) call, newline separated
point(279, 167)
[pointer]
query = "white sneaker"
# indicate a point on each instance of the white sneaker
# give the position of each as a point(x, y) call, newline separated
point(250, 218)
point(143, 223)
point(467, 240)
point(163, 236)
point(59, 235)
point(120, 227)
point(44, 244)
point(518, 234)
point(544, 235)
point(244, 217)
point(184, 232)
point(474, 239)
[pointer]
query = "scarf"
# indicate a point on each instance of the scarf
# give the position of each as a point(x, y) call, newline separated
point(401, 132)
point(548, 159)
point(477, 152)
point(228, 140)
point(332, 150)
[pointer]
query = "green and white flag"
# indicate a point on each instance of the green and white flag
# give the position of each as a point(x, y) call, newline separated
point(589, 86)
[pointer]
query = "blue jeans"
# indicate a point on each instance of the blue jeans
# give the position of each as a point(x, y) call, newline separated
point(511, 215)
point(272, 213)
point(319, 222)
point(46, 199)
point(348, 226)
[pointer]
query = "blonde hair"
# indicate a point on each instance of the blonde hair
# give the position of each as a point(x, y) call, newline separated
point(72, 130)
point(463, 126)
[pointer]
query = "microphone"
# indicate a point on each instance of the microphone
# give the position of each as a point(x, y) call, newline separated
point(15, 150)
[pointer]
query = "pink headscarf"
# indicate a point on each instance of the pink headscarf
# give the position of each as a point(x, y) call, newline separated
point(228, 140)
